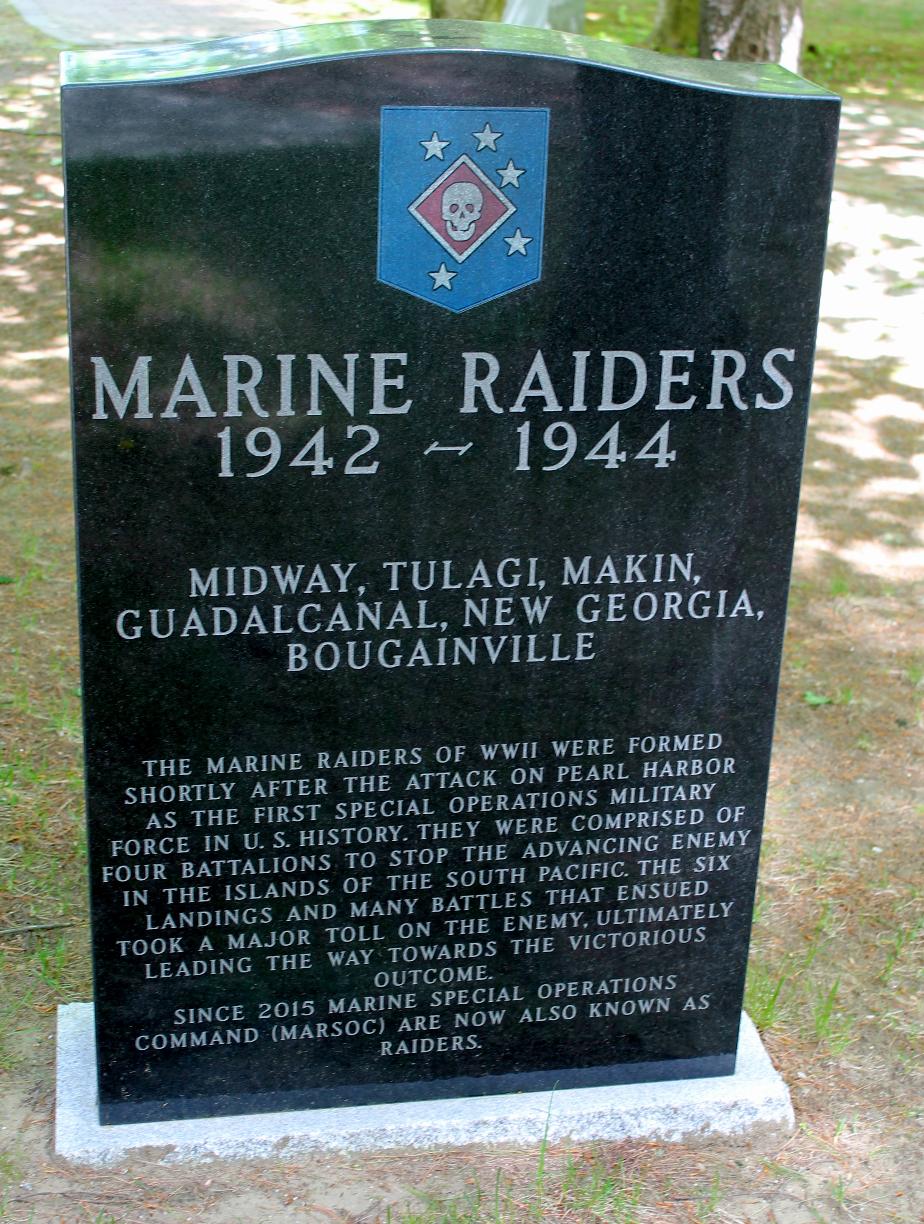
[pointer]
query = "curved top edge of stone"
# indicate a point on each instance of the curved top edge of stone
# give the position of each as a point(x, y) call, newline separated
point(306, 44)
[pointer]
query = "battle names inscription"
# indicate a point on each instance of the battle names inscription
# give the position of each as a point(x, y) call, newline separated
point(439, 404)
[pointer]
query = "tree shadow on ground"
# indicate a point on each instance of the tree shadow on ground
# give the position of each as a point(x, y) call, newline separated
point(840, 880)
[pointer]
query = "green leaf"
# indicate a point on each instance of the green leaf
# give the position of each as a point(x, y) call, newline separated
point(815, 699)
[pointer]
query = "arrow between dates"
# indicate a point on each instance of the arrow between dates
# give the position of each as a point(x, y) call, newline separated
point(458, 450)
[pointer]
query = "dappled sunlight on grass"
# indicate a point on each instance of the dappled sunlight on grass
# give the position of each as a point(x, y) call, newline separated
point(362, 10)
point(863, 493)
point(881, 154)
point(837, 953)
point(31, 243)
point(883, 560)
point(870, 48)
point(58, 348)
point(42, 868)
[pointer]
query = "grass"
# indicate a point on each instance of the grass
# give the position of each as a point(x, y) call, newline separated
point(843, 696)
point(824, 1012)
point(865, 46)
point(42, 862)
point(850, 46)
point(762, 994)
point(904, 938)
point(838, 929)
point(795, 994)
point(601, 1189)
point(583, 1187)
point(709, 1200)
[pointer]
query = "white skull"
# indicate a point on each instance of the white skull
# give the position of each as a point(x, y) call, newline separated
point(462, 205)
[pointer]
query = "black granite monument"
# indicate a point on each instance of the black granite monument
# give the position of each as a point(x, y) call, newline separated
point(439, 397)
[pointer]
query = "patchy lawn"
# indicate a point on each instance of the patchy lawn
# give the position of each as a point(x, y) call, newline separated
point(850, 46)
point(836, 967)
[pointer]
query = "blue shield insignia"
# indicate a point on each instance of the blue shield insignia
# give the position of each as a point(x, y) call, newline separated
point(461, 201)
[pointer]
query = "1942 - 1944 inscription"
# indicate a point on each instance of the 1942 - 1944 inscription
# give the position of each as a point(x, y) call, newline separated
point(439, 399)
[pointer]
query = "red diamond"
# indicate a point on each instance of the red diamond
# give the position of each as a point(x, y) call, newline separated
point(462, 208)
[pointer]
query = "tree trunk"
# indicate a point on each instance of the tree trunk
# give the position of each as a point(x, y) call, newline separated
point(676, 25)
point(766, 30)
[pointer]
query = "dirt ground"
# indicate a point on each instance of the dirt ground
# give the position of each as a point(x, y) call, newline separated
point(835, 981)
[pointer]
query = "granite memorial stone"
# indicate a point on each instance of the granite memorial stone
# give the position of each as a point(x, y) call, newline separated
point(439, 397)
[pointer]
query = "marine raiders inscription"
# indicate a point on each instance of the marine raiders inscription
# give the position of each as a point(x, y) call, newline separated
point(439, 401)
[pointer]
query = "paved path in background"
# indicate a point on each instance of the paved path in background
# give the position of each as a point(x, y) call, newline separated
point(117, 22)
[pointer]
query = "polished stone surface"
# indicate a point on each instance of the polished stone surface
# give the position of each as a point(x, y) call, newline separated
point(440, 396)
point(749, 1104)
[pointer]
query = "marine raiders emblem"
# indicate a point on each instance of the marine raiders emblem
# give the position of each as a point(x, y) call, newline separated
point(461, 201)
point(462, 208)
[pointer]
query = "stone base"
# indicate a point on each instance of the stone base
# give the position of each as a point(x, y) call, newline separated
point(754, 1098)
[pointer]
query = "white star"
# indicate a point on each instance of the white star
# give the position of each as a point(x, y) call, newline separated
point(442, 277)
point(487, 139)
point(510, 175)
point(517, 244)
point(434, 146)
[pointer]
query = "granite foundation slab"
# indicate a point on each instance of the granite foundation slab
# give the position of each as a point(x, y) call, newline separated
point(754, 1099)
point(582, 399)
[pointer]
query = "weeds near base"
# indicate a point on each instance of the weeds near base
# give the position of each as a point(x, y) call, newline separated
point(588, 1188)
point(828, 1025)
point(540, 1167)
point(762, 995)
point(903, 937)
point(8, 1174)
point(839, 1192)
point(471, 1207)
point(843, 697)
point(601, 1190)
point(710, 1200)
